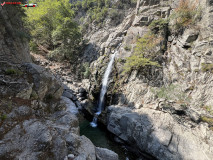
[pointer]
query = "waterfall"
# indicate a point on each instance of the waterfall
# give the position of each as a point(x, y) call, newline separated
point(103, 90)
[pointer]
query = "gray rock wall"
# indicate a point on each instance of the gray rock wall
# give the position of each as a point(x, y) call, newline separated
point(13, 38)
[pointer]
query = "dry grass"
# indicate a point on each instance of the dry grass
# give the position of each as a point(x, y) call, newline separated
point(187, 13)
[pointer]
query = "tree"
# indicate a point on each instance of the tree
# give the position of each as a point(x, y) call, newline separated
point(51, 25)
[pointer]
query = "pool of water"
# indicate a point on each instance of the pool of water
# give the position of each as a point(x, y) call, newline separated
point(102, 138)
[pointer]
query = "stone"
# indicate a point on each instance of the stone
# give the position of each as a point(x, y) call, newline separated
point(71, 107)
point(104, 154)
point(69, 95)
point(188, 37)
point(25, 93)
point(164, 138)
point(208, 52)
point(193, 115)
point(87, 148)
point(81, 157)
point(44, 82)
point(13, 49)
point(71, 157)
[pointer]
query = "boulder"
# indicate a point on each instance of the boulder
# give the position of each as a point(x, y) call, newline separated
point(105, 154)
point(159, 134)
point(45, 84)
point(71, 107)
point(69, 95)
point(86, 148)
point(188, 37)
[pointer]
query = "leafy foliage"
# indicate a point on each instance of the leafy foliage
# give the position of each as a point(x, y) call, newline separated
point(127, 48)
point(85, 70)
point(12, 71)
point(208, 120)
point(158, 25)
point(145, 51)
point(3, 117)
point(51, 25)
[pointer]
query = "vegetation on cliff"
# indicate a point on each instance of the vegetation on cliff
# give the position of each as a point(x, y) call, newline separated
point(151, 44)
point(185, 14)
point(98, 10)
point(145, 50)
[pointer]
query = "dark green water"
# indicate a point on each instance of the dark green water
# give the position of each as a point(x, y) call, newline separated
point(101, 138)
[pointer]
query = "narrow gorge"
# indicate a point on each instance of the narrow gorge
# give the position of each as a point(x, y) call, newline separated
point(106, 80)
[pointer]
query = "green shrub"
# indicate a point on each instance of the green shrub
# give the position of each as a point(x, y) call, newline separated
point(144, 51)
point(127, 48)
point(113, 14)
point(205, 67)
point(85, 70)
point(165, 92)
point(67, 37)
point(208, 120)
point(33, 47)
point(158, 25)
point(3, 117)
point(99, 14)
point(34, 95)
point(209, 109)
point(12, 71)
point(187, 13)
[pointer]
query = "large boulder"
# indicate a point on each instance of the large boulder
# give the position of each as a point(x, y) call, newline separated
point(160, 134)
point(45, 84)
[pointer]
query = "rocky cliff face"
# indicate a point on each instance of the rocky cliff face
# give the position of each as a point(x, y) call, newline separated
point(13, 44)
point(165, 111)
point(35, 123)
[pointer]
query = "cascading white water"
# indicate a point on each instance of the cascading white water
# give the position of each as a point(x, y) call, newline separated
point(103, 90)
